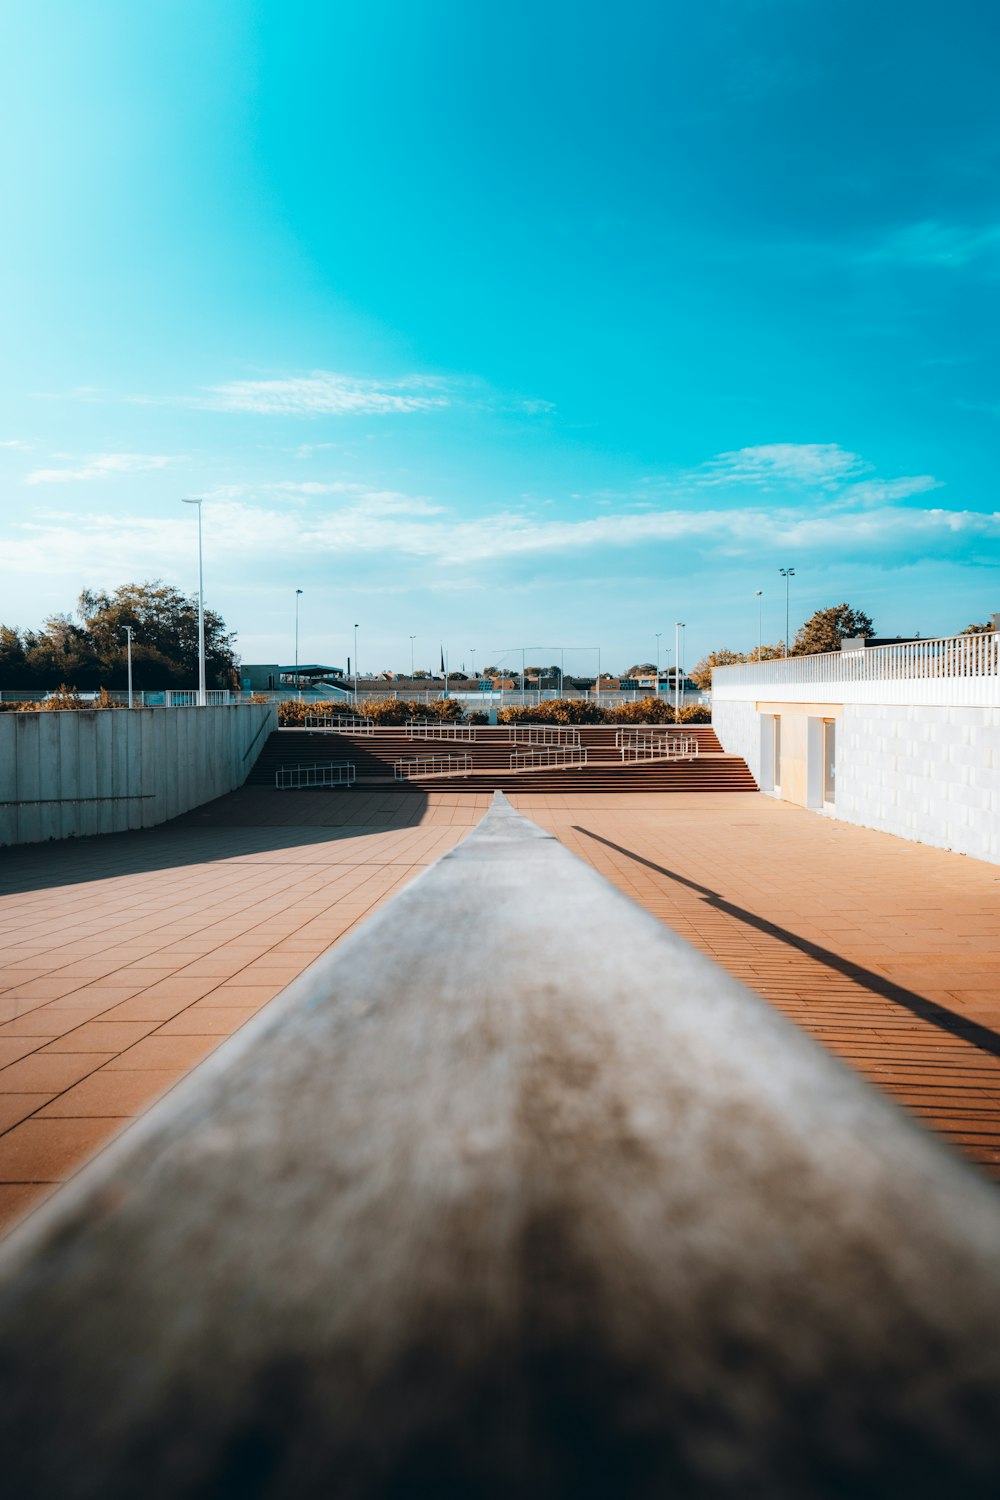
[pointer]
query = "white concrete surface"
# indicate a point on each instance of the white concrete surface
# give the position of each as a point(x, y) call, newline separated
point(71, 773)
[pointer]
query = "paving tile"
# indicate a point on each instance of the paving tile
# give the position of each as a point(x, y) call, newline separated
point(101, 1036)
point(49, 1072)
point(52, 1150)
point(17, 1107)
point(111, 1093)
point(158, 1051)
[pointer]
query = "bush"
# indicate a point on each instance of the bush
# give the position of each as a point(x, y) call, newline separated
point(645, 711)
point(556, 711)
point(477, 717)
point(398, 710)
point(291, 711)
point(695, 713)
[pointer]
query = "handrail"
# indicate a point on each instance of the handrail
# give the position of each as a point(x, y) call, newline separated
point(542, 756)
point(410, 766)
point(533, 1203)
point(946, 657)
point(544, 734)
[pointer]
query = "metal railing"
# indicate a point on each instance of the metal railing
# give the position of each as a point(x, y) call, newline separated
point(339, 723)
point(543, 734)
point(431, 729)
point(411, 767)
point(655, 744)
point(328, 773)
point(551, 756)
point(965, 666)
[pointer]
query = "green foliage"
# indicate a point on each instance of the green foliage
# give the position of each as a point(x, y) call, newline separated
point(825, 630)
point(92, 653)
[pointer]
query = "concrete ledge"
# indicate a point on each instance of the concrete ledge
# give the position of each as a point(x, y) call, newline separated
point(512, 1194)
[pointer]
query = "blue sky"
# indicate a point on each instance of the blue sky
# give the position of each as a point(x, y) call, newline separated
point(536, 323)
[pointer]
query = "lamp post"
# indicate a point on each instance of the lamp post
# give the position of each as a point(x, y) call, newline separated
point(298, 685)
point(473, 650)
point(787, 574)
point(658, 634)
point(678, 627)
point(128, 648)
point(355, 665)
point(201, 610)
point(760, 624)
point(412, 639)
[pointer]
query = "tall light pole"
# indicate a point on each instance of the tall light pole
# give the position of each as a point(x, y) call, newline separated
point(473, 650)
point(298, 685)
point(412, 639)
point(678, 627)
point(658, 634)
point(128, 648)
point(760, 622)
point(355, 665)
point(787, 574)
point(201, 610)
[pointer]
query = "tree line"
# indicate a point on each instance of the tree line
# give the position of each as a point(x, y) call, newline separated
point(87, 649)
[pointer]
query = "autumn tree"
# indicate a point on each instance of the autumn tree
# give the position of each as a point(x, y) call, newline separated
point(701, 675)
point(825, 630)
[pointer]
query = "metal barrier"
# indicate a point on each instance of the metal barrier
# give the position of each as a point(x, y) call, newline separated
point(568, 756)
point(340, 723)
point(543, 734)
point(328, 773)
point(512, 1192)
point(652, 744)
point(413, 766)
point(440, 729)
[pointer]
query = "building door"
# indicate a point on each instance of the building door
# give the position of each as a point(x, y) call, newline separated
point(829, 760)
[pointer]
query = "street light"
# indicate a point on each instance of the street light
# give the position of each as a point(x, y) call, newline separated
point(128, 634)
point(787, 574)
point(678, 627)
point(355, 665)
point(658, 634)
point(412, 639)
point(473, 650)
point(298, 685)
point(201, 610)
point(760, 625)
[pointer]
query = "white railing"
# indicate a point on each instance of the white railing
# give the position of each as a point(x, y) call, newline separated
point(330, 773)
point(548, 757)
point(430, 729)
point(950, 669)
point(340, 723)
point(543, 734)
point(414, 766)
point(635, 744)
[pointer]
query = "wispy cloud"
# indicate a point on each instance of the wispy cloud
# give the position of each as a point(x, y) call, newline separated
point(322, 393)
point(821, 464)
point(100, 466)
point(930, 243)
point(13, 443)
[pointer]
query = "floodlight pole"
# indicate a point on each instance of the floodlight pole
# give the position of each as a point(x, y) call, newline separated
point(355, 665)
point(787, 574)
point(412, 639)
point(298, 685)
point(201, 609)
point(658, 634)
point(678, 627)
point(128, 648)
point(760, 622)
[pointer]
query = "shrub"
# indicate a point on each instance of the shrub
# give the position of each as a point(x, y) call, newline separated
point(645, 711)
point(398, 710)
point(695, 713)
point(477, 717)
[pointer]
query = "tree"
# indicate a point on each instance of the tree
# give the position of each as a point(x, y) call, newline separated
point(165, 642)
point(641, 669)
point(987, 628)
point(92, 654)
point(701, 675)
point(825, 630)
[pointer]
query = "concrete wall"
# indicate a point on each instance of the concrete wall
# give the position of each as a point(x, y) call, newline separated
point(69, 774)
point(931, 774)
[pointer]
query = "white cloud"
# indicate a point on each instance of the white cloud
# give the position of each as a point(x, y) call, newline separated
point(100, 466)
point(12, 443)
point(240, 537)
point(783, 463)
point(930, 243)
point(885, 491)
point(321, 393)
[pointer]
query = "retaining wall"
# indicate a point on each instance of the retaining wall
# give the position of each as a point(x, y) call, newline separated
point(72, 773)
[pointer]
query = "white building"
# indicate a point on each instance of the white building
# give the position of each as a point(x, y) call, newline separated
point(902, 738)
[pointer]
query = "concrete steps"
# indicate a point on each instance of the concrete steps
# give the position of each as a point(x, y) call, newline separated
point(374, 757)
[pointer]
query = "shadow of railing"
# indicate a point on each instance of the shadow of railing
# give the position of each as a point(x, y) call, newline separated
point(514, 1193)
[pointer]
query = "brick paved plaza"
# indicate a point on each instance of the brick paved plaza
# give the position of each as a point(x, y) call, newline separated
point(127, 959)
